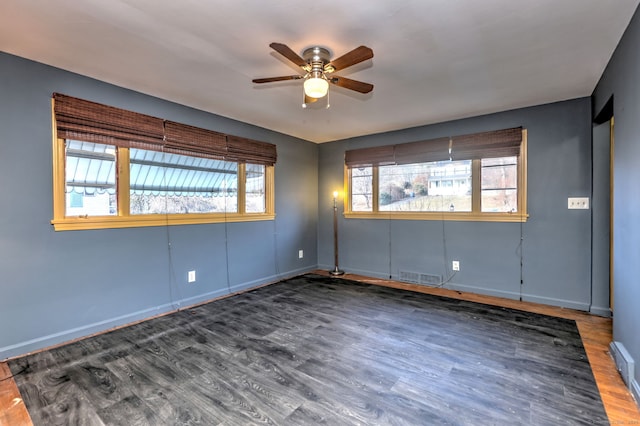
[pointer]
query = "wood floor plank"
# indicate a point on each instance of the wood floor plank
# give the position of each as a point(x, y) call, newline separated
point(596, 333)
point(12, 408)
point(303, 353)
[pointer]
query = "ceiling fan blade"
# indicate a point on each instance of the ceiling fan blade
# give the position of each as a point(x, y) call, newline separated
point(285, 51)
point(283, 78)
point(350, 84)
point(357, 55)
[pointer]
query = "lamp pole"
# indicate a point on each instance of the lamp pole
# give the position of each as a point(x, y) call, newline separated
point(336, 270)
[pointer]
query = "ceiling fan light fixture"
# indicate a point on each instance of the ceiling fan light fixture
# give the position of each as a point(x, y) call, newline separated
point(316, 86)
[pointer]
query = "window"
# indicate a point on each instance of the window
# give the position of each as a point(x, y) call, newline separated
point(499, 186)
point(362, 189)
point(473, 177)
point(426, 187)
point(90, 179)
point(115, 168)
point(162, 183)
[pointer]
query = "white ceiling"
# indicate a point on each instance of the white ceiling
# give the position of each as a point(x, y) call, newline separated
point(435, 60)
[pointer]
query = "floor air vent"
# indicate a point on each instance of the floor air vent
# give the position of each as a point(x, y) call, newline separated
point(624, 362)
point(419, 278)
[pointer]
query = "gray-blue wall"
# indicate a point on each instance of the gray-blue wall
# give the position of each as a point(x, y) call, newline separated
point(621, 80)
point(556, 242)
point(55, 286)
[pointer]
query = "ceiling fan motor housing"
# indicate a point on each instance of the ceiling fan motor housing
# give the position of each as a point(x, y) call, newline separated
point(317, 59)
point(316, 54)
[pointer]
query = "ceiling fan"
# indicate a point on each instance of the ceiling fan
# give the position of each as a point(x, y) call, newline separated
point(319, 68)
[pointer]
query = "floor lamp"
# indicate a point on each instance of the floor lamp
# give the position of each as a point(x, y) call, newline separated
point(336, 270)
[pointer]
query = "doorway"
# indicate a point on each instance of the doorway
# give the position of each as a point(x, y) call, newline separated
point(602, 219)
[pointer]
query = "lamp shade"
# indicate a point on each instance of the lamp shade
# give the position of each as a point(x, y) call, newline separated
point(316, 87)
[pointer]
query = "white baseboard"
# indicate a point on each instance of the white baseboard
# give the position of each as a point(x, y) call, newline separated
point(28, 346)
point(635, 391)
point(561, 303)
point(601, 311)
point(43, 342)
point(483, 290)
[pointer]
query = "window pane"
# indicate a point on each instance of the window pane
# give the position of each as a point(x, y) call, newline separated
point(162, 183)
point(362, 189)
point(255, 189)
point(500, 200)
point(499, 184)
point(424, 187)
point(90, 179)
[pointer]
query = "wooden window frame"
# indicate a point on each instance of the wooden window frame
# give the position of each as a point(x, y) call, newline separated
point(476, 215)
point(123, 218)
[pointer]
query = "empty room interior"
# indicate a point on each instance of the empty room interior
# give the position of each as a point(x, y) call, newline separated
point(364, 212)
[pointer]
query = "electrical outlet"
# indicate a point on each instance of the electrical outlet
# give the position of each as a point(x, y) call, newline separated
point(300, 254)
point(578, 203)
point(191, 276)
point(455, 265)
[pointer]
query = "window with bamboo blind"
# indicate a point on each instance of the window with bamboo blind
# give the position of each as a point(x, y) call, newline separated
point(115, 168)
point(475, 177)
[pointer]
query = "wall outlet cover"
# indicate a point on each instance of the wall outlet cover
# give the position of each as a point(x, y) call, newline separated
point(578, 203)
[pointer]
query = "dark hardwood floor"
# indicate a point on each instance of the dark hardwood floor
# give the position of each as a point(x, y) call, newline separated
point(316, 350)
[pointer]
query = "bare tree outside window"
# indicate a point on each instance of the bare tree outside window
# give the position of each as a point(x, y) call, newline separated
point(499, 184)
point(362, 189)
